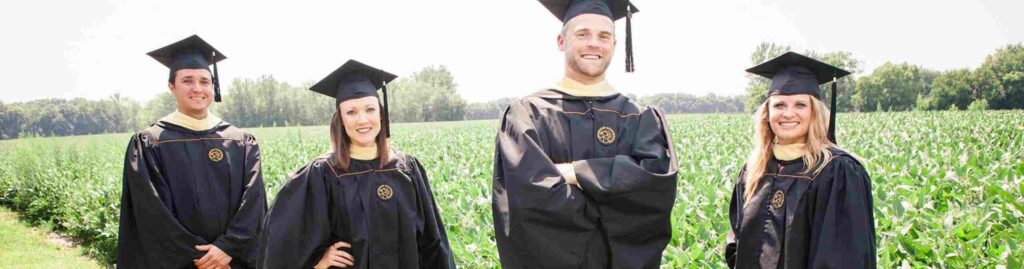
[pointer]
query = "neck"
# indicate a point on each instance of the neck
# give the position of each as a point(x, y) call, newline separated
point(576, 88)
point(581, 78)
point(199, 115)
point(800, 140)
point(788, 152)
point(363, 152)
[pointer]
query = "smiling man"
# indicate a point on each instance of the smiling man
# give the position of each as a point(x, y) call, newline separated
point(192, 194)
point(583, 176)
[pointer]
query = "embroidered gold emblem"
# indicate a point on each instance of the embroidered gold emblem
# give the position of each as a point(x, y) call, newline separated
point(605, 135)
point(215, 155)
point(778, 199)
point(384, 192)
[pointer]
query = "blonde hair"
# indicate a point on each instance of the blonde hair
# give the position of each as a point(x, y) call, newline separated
point(817, 145)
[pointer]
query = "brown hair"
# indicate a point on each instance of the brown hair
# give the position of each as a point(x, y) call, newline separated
point(817, 145)
point(340, 155)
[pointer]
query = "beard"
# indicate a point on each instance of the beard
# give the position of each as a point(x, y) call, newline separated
point(586, 67)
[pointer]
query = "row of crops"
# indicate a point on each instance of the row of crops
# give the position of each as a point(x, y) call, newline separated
point(947, 185)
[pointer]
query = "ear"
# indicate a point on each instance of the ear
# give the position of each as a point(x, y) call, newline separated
point(561, 42)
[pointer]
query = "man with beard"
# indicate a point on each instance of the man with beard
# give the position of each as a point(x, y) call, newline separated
point(583, 176)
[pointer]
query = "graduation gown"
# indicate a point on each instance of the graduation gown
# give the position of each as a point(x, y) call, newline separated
point(618, 216)
point(183, 188)
point(388, 216)
point(798, 220)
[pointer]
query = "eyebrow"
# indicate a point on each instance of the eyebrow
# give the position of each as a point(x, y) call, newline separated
point(584, 28)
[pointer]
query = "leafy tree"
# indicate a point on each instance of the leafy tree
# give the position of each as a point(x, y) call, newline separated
point(893, 86)
point(1007, 66)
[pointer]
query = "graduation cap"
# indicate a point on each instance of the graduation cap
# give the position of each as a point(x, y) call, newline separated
point(792, 73)
point(565, 10)
point(190, 53)
point(356, 80)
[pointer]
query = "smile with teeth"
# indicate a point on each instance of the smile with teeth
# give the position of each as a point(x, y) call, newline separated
point(364, 130)
point(789, 123)
point(591, 56)
point(199, 98)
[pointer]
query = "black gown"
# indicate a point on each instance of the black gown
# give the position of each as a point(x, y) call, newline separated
point(798, 220)
point(183, 188)
point(387, 215)
point(618, 217)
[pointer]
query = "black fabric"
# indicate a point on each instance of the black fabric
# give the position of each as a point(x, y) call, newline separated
point(321, 205)
point(793, 73)
point(825, 220)
point(354, 80)
point(618, 217)
point(175, 197)
point(565, 10)
point(190, 53)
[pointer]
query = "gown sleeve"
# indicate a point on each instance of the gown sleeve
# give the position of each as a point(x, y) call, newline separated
point(298, 226)
point(432, 240)
point(843, 231)
point(535, 212)
point(149, 236)
point(735, 214)
point(635, 193)
point(240, 239)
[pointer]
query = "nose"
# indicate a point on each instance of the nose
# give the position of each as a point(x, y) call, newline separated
point(362, 118)
point(788, 113)
point(592, 41)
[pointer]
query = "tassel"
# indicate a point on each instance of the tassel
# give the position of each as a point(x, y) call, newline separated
point(630, 66)
point(832, 115)
point(216, 79)
point(387, 119)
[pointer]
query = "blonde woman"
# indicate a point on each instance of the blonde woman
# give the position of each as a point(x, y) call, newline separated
point(800, 201)
point(362, 205)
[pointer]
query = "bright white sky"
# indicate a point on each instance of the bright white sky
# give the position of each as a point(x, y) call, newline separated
point(93, 48)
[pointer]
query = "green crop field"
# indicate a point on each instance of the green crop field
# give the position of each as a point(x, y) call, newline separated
point(947, 185)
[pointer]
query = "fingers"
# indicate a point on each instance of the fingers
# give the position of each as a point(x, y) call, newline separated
point(341, 244)
point(205, 261)
point(341, 257)
point(347, 257)
point(203, 247)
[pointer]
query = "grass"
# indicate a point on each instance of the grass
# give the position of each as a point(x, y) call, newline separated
point(23, 246)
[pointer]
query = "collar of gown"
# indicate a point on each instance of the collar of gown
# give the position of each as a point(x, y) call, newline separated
point(362, 153)
point(788, 152)
point(575, 88)
point(180, 119)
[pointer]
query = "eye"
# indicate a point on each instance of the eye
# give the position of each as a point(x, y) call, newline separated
point(779, 105)
point(801, 105)
point(371, 110)
point(351, 112)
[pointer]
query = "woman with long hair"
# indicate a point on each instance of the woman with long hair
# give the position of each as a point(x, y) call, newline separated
point(363, 204)
point(801, 201)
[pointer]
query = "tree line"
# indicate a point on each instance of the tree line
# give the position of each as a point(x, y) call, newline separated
point(997, 84)
point(430, 95)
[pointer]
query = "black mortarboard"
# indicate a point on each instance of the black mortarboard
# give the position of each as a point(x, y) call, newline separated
point(190, 53)
point(793, 73)
point(565, 10)
point(356, 80)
